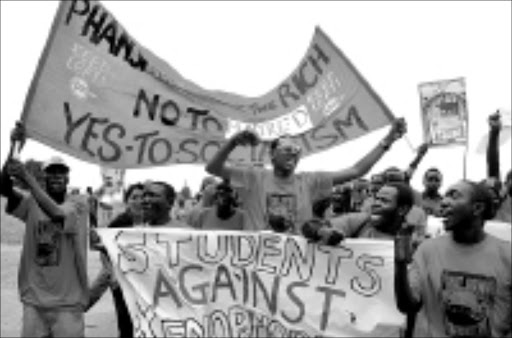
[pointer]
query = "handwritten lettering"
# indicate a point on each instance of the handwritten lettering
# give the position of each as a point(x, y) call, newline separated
point(305, 78)
point(109, 142)
point(336, 130)
point(99, 27)
point(272, 276)
point(171, 114)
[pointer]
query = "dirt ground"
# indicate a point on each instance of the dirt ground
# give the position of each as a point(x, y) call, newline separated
point(100, 320)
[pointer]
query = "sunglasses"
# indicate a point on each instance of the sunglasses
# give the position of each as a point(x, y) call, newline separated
point(59, 172)
point(290, 149)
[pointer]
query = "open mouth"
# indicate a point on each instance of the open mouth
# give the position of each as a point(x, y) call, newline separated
point(446, 217)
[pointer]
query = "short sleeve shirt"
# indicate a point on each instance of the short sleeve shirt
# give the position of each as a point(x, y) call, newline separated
point(53, 263)
point(465, 290)
point(291, 198)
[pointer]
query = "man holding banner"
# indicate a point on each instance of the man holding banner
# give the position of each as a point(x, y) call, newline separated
point(280, 199)
point(53, 266)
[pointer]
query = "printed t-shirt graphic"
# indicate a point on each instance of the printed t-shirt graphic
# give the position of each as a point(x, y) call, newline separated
point(48, 243)
point(284, 205)
point(467, 302)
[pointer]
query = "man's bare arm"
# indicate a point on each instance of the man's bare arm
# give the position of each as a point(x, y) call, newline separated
point(363, 166)
point(217, 165)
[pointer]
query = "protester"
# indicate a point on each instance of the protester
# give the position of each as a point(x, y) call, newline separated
point(461, 281)
point(205, 199)
point(280, 199)
point(224, 214)
point(430, 197)
point(131, 217)
point(416, 215)
point(52, 276)
point(392, 203)
point(501, 195)
point(157, 202)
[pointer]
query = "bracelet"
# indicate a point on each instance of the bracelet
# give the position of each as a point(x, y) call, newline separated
point(385, 145)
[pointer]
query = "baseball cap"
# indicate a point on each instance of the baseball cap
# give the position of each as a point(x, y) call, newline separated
point(57, 163)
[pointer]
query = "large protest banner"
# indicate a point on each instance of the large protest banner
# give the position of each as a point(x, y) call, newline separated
point(102, 97)
point(444, 112)
point(192, 283)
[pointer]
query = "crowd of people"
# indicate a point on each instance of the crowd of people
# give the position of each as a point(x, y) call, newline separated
point(452, 285)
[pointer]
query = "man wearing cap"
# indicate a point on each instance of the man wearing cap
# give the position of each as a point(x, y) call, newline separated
point(52, 279)
point(280, 199)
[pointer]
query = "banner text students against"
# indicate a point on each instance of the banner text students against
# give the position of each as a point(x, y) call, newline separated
point(100, 96)
point(191, 283)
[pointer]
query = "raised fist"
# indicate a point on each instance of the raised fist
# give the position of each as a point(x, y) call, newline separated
point(398, 130)
point(495, 121)
point(18, 134)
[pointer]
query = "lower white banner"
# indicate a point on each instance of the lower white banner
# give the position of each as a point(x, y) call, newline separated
point(192, 283)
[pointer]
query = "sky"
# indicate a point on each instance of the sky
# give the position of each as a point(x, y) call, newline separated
point(248, 48)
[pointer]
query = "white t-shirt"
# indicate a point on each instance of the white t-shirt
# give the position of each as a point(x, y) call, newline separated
point(293, 197)
point(465, 290)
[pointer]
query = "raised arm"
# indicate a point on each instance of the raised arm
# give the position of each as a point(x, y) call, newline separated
point(406, 300)
point(7, 190)
point(422, 151)
point(102, 281)
point(217, 165)
point(493, 149)
point(17, 169)
point(364, 165)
